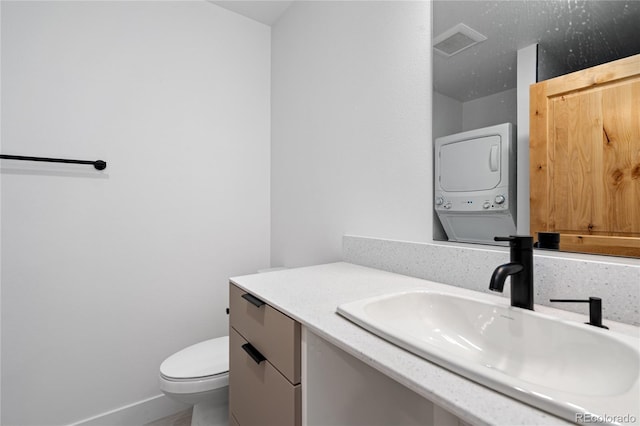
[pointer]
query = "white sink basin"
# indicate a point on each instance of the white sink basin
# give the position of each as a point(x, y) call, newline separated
point(562, 367)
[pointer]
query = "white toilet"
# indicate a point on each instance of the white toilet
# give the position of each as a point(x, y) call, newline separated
point(199, 375)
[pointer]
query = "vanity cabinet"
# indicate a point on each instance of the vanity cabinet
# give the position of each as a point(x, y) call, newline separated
point(264, 363)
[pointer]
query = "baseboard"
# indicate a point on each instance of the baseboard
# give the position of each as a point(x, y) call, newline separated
point(136, 414)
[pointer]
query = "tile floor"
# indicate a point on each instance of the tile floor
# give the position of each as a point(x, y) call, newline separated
point(183, 418)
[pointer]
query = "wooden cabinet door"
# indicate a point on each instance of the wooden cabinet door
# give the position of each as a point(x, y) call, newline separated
point(585, 158)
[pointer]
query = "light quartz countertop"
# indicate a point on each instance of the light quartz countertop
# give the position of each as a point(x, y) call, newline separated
point(311, 295)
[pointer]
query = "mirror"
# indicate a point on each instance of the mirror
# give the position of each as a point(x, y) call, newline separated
point(478, 87)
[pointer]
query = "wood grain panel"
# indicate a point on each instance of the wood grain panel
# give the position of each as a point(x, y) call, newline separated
point(540, 188)
point(621, 132)
point(621, 246)
point(594, 76)
point(585, 158)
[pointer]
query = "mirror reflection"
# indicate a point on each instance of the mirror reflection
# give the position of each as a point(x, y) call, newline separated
point(487, 53)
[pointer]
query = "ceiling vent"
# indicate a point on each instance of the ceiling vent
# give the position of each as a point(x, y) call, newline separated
point(456, 39)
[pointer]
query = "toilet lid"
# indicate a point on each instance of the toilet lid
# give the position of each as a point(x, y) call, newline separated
point(203, 359)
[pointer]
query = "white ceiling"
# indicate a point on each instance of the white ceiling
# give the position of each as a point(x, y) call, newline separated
point(579, 33)
point(265, 11)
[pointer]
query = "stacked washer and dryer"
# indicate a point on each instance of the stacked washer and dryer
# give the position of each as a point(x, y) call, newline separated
point(475, 184)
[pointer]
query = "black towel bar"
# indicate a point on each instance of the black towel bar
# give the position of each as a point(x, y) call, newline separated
point(98, 164)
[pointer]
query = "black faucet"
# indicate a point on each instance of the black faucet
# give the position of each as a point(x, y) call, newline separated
point(520, 268)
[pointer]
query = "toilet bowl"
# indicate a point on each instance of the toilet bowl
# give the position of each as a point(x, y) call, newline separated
point(199, 376)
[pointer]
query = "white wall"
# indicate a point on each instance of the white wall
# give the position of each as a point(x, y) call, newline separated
point(489, 110)
point(527, 73)
point(351, 136)
point(0, 220)
point(447, 120)
point(106, 274)
point(447, 115)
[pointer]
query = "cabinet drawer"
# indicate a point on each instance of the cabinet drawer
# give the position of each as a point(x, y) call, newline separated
point(258, 394)
point(271, 332)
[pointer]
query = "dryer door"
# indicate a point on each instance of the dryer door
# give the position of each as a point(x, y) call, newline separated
point(470, 165)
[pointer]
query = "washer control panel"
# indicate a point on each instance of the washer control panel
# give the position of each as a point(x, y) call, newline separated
point(497, 202)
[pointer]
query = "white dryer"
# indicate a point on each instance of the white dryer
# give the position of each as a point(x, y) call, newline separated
point(475, 183)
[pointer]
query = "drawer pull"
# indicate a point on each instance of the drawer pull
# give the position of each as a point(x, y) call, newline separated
point(253, 353)
point(252, 299)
